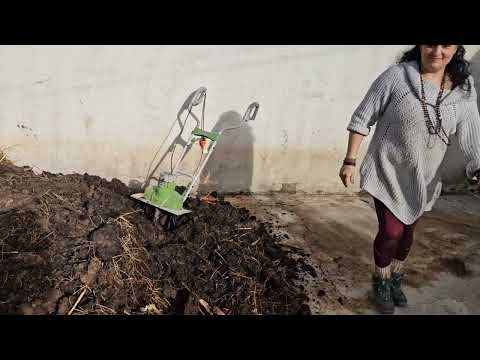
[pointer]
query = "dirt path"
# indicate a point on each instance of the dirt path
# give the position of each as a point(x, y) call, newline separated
point(338, 232)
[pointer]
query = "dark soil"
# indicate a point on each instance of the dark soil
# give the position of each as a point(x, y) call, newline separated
point(78, 244)
point(456, 266)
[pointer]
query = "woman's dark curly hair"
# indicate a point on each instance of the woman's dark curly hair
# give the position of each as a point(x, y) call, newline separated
point(457, 69)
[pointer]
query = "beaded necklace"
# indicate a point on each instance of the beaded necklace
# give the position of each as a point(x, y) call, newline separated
point(431, 128)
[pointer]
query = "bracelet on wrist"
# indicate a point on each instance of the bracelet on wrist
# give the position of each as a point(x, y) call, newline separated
point(351, 162)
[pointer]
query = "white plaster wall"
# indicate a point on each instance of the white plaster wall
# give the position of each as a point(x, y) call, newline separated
point(106, 109)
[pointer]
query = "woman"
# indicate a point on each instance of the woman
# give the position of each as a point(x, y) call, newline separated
point(417, 105)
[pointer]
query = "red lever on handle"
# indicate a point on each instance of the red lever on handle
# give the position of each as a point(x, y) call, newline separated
point(203, 143)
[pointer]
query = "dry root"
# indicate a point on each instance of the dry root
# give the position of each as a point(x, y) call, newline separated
point(133, 268)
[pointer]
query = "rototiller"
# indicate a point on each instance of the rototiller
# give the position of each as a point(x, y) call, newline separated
point(164, 197)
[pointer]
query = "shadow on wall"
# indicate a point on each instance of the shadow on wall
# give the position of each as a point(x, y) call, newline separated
point(230, 167)
point(454, 163)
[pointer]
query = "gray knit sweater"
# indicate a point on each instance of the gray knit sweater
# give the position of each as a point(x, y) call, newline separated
point(402, 164)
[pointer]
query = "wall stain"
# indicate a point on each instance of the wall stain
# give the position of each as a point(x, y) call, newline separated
point(285, 141)
point(88, 122)
point(42, 81)
point(27, 131)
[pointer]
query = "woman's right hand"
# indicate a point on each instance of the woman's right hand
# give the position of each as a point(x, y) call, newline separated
point(347, 173)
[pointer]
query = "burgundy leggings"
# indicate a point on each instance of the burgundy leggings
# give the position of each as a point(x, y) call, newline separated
point(394, 238)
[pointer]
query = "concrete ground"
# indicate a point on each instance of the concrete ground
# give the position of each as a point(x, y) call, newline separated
point(337, 231)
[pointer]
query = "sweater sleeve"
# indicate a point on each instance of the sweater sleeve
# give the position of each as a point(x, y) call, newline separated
point(374, 103)
point(468, 133)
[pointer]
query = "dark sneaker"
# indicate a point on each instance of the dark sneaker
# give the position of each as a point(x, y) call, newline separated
point(399, 298)
point(382, 295)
